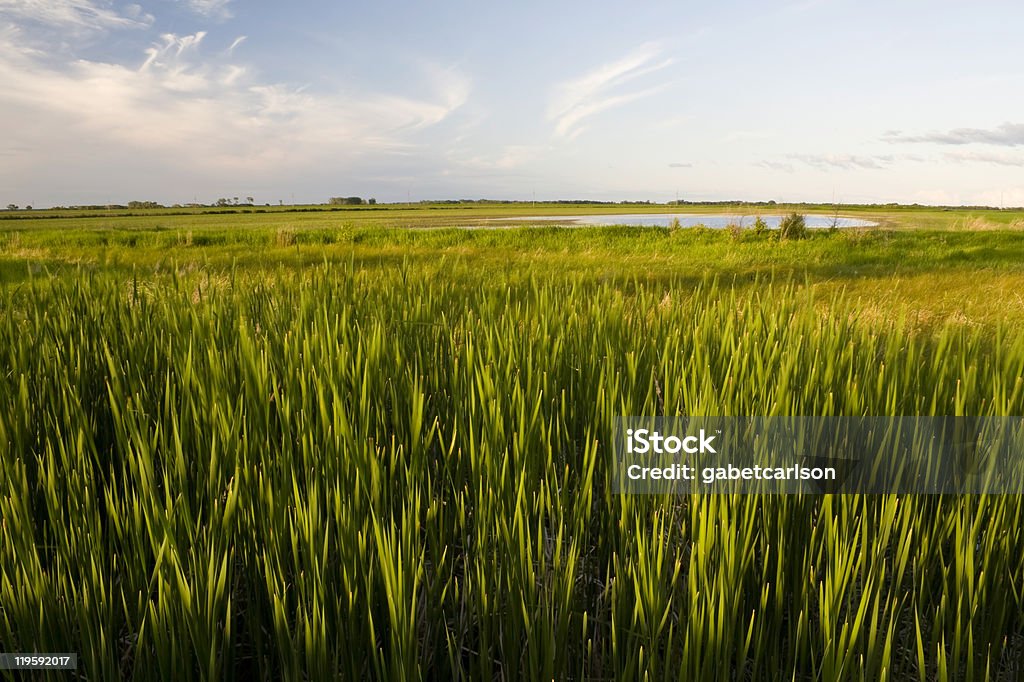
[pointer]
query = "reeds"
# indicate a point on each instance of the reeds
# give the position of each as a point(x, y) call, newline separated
point(379, 474)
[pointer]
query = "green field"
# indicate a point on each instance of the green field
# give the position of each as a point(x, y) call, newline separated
point(372, 443)
point(930, 265)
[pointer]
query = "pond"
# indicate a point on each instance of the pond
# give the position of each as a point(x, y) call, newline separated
point(716, 221)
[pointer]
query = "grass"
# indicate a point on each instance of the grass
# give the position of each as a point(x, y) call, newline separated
point(446, 215)
point(376, 453)
point(926, 275)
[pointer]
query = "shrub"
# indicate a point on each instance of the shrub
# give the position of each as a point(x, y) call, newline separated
point(793, 226)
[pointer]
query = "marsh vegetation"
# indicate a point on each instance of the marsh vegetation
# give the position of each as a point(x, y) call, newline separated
point(373, 452)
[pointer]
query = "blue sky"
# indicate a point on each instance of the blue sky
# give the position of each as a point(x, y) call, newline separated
point(191, 100)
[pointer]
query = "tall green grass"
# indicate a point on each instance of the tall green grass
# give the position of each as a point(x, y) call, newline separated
point(382, 474)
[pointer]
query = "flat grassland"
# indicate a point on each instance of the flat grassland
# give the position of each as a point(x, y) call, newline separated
point(373, 443)
point(932, 265)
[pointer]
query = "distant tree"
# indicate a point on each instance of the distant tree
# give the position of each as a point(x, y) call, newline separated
point(249, 200)
point(345, 201)
point(12, 207)
point(144, 204)
point(28, 208)
point(372, 201)
point(223, 201)
point(236, 201)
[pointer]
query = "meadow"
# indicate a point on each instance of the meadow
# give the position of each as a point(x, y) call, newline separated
point(371, 443)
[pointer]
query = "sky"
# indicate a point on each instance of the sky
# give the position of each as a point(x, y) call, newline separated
point(181, 101)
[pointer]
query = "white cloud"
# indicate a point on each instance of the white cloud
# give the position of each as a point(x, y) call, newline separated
point(181, 109)
point(826, 162)
point(784, 166)
point(844, 161)
point(577, 100)
point(211, 9)
point(74, 14)
point(568, 123)
point(1005, 135)
point(977, 156)
point(171, 49)
point(448, 85)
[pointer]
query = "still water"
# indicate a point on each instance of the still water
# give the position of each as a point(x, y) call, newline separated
point(708, 220)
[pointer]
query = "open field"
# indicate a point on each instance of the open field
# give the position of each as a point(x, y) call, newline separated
point(454, 213)
point(922, 267)
point(315, 444)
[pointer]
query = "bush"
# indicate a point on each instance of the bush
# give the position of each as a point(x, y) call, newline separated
point(760, 226)
point(793, 226)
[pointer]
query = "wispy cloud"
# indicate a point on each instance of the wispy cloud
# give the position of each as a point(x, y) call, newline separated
point(844, 161)
point(995, 158)
point(680, 165)
point(828, 162)
point(771, 164)
point(183, 107)
point(1005, 135)
point(211, 9)
point(600, 89)
point(449, 84)
point(78, 15)
point(883, 161)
